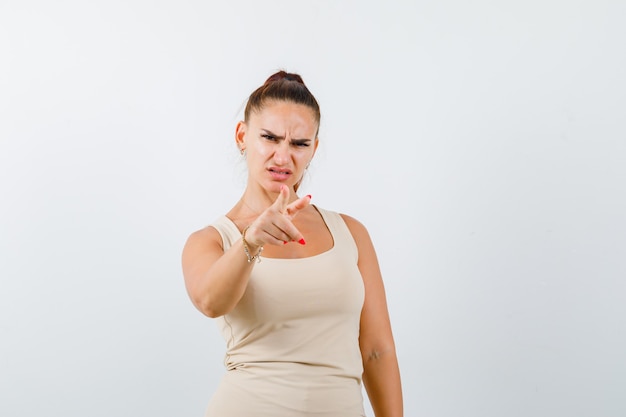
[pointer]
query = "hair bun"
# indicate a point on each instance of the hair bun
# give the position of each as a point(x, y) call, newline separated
point(282, 86)
point(283, 75)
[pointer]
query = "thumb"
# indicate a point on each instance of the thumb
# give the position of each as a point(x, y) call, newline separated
point(283, 198)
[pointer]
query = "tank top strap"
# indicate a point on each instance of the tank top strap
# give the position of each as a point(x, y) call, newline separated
point(342, 236)
point(227, 230)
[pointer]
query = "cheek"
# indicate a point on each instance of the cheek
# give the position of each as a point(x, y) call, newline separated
point(304, 157)
point(261, 149)
point(308, 155)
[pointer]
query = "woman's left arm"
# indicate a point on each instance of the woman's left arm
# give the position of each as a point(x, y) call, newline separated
point(381, 374)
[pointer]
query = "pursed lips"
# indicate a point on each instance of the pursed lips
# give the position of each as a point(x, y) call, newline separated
point(282, 171)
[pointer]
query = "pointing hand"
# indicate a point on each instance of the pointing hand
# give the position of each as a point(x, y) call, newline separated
point(274, 226)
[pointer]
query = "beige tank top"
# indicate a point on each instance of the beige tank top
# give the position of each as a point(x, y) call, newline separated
point(298, 314)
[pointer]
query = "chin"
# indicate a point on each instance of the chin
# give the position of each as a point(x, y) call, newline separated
point(274, 187)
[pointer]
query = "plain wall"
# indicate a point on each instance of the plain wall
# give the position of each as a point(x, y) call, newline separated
point(482, 143)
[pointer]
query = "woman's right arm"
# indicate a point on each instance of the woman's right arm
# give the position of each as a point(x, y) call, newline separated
point(215, 280)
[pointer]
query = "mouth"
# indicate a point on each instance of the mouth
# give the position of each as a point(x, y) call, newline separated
point(280, 171)
point(279, 174)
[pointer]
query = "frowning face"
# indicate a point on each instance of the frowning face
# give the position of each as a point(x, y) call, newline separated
point(280, 141)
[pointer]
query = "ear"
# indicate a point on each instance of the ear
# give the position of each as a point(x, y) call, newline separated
point(240, 135)
point(317, 142)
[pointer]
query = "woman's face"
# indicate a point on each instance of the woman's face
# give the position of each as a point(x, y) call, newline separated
point(280, 141)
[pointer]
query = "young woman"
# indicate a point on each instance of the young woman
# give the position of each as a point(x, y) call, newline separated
point(296, 289)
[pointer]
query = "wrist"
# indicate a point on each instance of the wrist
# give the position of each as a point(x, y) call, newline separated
point(250, 248)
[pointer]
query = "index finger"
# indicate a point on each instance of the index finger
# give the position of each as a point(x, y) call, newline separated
point(281, 201)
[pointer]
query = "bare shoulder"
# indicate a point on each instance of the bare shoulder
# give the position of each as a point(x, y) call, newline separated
point(358, 230)
point(205, 239)
point(361, 237)
point(367, 261)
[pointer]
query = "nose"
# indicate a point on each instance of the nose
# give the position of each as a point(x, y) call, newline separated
point(282, 153)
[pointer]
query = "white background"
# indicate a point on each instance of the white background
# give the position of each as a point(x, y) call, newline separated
point(482, 143)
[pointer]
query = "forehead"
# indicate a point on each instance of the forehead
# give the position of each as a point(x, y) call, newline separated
point(285, 115)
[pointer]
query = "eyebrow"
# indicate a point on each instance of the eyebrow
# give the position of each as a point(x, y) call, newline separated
point(269, 132)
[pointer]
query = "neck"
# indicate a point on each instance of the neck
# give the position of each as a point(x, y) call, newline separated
point(253, 211)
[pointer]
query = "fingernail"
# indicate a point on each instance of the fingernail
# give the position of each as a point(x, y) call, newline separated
point(309, 195)
point(284, 242)
point(302, 242)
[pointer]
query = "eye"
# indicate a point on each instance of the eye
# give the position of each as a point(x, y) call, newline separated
point(268, 137)
point(300, 143)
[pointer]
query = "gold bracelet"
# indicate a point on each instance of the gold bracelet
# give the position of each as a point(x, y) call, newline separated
point(247, 251)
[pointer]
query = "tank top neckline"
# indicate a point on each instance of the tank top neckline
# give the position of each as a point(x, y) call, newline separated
point(312, 257)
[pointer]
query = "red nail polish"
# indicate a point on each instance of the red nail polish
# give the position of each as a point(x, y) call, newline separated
point(309, 195)
point(302, 242)
point(284, 242)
